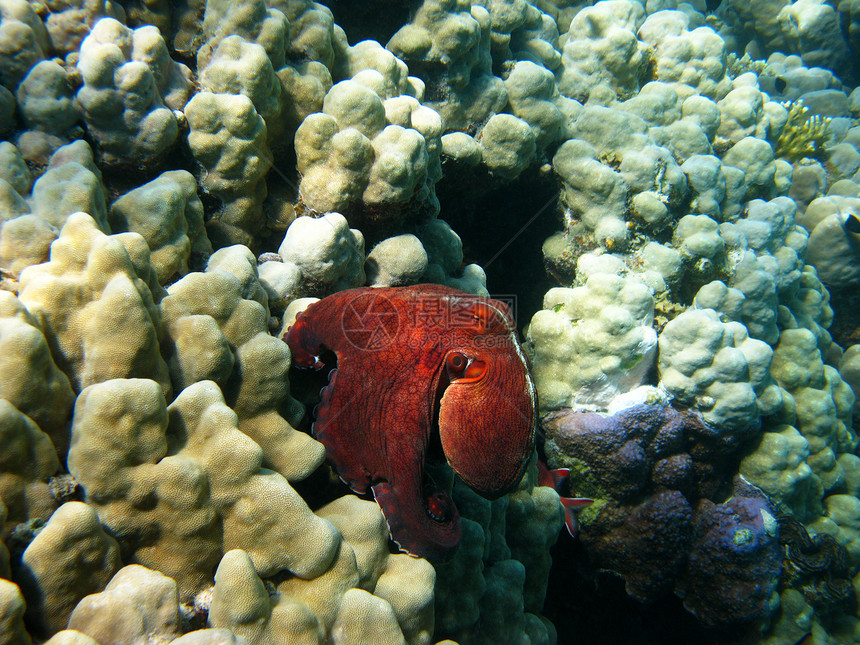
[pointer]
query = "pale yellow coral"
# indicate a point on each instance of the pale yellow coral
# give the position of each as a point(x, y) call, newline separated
point(169, 215)
point(136, 605)
point(217, 322)
point(12, 606)
point(361, 152)
point(71, 637)
point(228, 139)
point(403, 582)
point(70, 558)
point(98, 315)
point(120, 98)
point(821, 404)
point(366, 595)
point(179, 484)
point(27, 461)
point(29, 378)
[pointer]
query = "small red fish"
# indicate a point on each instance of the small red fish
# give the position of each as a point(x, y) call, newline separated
point(556, 479)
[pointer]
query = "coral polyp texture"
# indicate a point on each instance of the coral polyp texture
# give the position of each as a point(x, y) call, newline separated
point(576, 342)
point(665, 194)
point(197, 497)
point(125, 97)
point(228, 140)
point(374, 158)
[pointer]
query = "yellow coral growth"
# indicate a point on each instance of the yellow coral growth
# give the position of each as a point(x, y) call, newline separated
point(738, 65)
point(803, 136)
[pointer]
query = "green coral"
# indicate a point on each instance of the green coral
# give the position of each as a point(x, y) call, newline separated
point(803, 136)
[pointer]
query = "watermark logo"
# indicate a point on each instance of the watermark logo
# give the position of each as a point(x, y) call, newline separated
point(455, 313)
point(510, 301)
point(370, 321)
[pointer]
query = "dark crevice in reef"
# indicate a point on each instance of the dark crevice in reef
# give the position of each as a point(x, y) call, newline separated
point(846, 313)
point(120, 179)
point(487, 213)
point(306, 386)
point(372, 19)
point(591, 608)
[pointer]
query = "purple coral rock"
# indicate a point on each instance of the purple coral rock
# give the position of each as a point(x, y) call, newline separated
point(646, 545)
point(675, 472)
point(734, 566)
point(648, 468)
point(615, 456)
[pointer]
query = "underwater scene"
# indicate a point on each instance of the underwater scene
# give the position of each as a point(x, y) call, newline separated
point(429, 322)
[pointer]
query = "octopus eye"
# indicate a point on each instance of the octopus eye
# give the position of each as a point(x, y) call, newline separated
point(465, 369)
point(457, 362)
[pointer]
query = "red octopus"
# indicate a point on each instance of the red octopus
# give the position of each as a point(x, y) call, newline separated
point(411, 360)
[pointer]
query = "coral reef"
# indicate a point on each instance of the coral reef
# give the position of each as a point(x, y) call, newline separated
point(227, 138)
point(832, 243)
point(497, 579)
point(169, 215)
point(731, 389)
point(593, 342)
point(600, 48)
point(448, 44)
